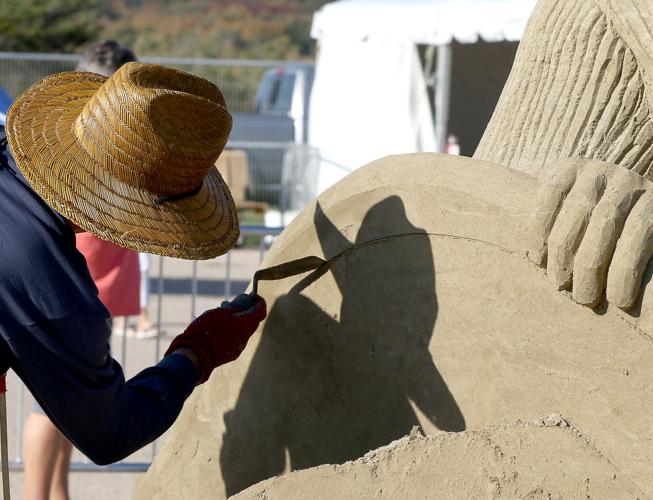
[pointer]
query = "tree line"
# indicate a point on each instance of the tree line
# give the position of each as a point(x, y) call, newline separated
point(248, 29)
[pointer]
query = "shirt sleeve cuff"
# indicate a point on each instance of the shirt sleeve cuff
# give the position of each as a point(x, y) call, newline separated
point(183, 369)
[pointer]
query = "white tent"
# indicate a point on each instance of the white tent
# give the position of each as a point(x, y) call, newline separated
point(370, 94)
point(429, 22)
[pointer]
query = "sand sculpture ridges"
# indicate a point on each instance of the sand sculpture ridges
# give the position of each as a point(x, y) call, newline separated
point(576, 90)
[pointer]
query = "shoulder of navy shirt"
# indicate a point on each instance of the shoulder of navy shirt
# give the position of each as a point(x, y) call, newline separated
point(54, 333)
point(42, 275)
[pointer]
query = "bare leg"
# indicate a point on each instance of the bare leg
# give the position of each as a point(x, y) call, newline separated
point(59, 485)
point(41, 446)
point(144, 321)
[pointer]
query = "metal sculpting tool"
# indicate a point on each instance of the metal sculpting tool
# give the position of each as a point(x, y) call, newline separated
point(287, 269)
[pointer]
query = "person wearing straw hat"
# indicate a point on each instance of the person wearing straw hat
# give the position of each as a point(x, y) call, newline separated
point(115, 270)
point(129, 158)
point(120, 274)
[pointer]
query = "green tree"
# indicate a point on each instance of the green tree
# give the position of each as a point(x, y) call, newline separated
point(252, 29)
point(48, 25)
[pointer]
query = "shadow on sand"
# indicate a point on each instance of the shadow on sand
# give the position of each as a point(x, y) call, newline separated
point(327, 389)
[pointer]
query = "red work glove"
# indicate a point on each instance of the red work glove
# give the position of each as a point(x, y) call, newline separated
point(219, 335)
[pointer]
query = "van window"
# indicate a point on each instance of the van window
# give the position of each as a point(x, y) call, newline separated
point(275, 92)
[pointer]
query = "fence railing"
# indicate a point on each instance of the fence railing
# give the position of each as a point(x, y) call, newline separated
point(272, 164)
point(238, 79)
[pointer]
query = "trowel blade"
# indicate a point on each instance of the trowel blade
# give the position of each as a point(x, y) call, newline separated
point(287, 269)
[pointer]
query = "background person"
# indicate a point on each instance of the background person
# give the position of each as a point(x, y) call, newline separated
point(115, 271)
point(145, 327)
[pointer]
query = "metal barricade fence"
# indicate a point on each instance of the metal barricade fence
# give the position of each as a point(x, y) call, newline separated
point(238, 80)
point(181, 290)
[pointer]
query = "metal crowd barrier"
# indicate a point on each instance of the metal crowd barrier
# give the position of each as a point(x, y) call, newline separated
point(269, 161)
point(128, 465)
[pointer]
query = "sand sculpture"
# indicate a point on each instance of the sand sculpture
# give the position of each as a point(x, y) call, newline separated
point(465, 294)
point(578, 470)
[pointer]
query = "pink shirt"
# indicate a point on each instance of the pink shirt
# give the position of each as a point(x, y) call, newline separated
point(115, 272)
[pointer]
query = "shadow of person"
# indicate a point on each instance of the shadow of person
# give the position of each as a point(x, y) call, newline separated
point(324, 389)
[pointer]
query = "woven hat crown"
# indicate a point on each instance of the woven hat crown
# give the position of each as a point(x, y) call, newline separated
point(130, 158)
point(155, 128)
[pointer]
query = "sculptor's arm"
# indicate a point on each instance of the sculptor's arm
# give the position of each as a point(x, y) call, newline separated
point(593, 229)
point(83, 390)
point(67, 365)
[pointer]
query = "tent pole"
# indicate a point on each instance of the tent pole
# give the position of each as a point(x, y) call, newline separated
point(442, 95)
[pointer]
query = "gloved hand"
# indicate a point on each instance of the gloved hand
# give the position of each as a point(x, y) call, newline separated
point(219, 335)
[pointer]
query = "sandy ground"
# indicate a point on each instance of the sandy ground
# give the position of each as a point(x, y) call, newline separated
point(176, 311)
point(543, 459)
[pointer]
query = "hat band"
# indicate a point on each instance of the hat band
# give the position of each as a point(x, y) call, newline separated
point(180, 196)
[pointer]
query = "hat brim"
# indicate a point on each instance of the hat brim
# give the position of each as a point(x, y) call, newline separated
point(40, 131)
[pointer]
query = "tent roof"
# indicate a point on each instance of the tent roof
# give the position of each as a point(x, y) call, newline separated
point(432, 22)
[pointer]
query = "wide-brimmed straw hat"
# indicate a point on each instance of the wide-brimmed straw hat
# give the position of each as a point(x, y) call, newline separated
point(130, 158)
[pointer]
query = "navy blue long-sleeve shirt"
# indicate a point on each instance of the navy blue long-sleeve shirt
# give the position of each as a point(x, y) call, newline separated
point(54, 333)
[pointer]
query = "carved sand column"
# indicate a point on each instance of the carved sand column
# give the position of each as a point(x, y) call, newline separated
point(580, 87)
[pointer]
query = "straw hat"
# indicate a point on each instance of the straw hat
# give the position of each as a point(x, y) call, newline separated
point(130, 158)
